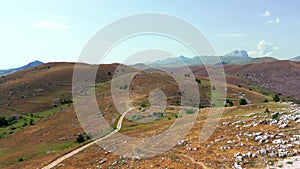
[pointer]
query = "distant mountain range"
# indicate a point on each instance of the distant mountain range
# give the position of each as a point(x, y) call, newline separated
point(233, 58)
point(296, 59)
point(29, 65)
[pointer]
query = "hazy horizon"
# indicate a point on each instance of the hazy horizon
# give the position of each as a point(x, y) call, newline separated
point(57, 31)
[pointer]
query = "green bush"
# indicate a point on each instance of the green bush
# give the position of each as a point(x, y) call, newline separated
point(275, 116)
point(267, 110)
point(189, 111)
point(266, 101)
point(136, 117)
point(143, 104)
point(276, 98)
point(80, 139)
point(198, 81)
point(31, 121)
point(20, 159)
point(3, 122)
point(229, 102)
point(66, 101)
point(243, 101)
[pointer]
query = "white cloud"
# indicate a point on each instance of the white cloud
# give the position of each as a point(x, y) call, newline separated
point(231, 34)
point(266, 14)
point(264, 49)
point(276, 21)
point(48, 24)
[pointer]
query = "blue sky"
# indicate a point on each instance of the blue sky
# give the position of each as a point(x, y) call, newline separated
point(57, 30)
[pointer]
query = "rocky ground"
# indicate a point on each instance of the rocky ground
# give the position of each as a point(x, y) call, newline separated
point(282, 143)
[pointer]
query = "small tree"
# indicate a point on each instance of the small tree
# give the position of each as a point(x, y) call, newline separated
point(143, 104)
point(31, 121)
point(3, 122)
point(243, 101)
point(80, 139)
point(20, 159)
point(276, 98)
point(275, 116)
point(267, 110)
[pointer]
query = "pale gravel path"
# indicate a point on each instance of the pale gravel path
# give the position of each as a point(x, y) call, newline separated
point(60, 159)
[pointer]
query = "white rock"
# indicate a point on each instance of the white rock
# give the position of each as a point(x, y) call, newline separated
point(277, 141)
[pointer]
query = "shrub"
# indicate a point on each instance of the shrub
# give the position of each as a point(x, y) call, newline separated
point(275, 116)
point(3, 122)
point(125, 87)
point(267, 110)
point(229, 102)
point(198, 81)
point(266, 101)
point(11, 120)
point(88, 137)
point(80, 139)
point(66, 101)
point(143, 104)
point(189, 111)
point(243, 101)
point(24, 124)
point(31, 121)
point(136, 117)
point(20, 159)
point(276, 98)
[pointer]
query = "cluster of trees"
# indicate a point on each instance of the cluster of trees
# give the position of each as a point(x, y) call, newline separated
point(198, 81)
point(81, 139)
point(66, 101)
point(5, 122)
point(243, 101)
point(229, 103)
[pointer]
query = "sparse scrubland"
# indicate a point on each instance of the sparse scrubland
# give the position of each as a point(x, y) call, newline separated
point(38, 123)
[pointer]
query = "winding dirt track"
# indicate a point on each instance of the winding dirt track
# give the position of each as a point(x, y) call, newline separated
point(70, 154)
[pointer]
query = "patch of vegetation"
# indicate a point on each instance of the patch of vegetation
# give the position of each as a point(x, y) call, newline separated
point(158, 114)
point(243, 101)
point(290, 162)
point(267, 110)
point(276, 98)
point(189, 111)
point(136, 117)
point(16, 122)
point(275, 116)
point(20, 159)
point(3, 122)
point(114, 126)
point(198, 81)
point(66, 101)
point(229, 103)
point(101, 84)
point(143, 104)
point(80, 139)
point(31, 121)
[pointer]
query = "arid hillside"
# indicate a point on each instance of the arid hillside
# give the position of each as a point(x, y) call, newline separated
point(42, 124)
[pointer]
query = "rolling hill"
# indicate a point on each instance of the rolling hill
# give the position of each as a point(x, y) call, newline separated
point(47, 125)
point(29, 65)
